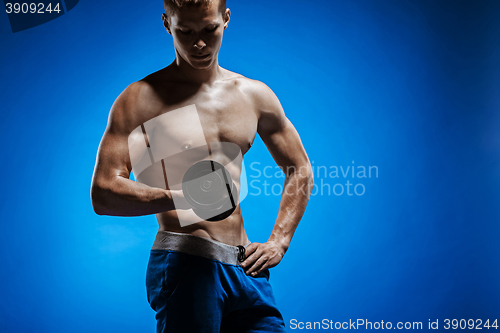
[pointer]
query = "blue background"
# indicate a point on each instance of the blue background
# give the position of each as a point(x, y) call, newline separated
point(411, 87)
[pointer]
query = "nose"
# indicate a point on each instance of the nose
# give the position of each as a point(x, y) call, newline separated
point(200, 44)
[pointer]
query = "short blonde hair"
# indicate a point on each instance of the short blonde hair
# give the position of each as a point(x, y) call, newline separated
point(173, 5)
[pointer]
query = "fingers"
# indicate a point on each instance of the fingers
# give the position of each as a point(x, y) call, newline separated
point(258, 266)
point(251, 249)
point(260, 257)
point(256, 259)
point(250, 255)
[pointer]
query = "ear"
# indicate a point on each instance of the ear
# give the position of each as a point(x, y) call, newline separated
point(166, 24)
point(227, 15)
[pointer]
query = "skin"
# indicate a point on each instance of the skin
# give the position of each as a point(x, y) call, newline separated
point(232, 108)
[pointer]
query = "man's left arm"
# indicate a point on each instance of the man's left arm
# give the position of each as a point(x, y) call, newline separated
point(285, 146)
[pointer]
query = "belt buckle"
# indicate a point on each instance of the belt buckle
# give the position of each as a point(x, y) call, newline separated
point(241, 253)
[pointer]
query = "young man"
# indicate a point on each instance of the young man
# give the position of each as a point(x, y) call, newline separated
point(206, 276)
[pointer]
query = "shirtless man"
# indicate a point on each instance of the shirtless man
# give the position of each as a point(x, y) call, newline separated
point(206, 276)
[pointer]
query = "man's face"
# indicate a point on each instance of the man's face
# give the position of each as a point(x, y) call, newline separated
point(197, 33)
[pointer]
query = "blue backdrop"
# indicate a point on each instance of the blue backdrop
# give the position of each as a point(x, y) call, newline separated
point(410, 88)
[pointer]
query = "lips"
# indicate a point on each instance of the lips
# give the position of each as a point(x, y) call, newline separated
point(204, 56)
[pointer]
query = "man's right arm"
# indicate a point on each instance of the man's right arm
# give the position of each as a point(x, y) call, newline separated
point(112, 192)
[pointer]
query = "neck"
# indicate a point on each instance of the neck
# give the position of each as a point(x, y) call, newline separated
point(195, 75)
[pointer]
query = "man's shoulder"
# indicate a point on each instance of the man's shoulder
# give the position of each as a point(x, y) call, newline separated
point(268, 107)
point(262, 96)
point(251, 85)
point(148, 92)
point(138, 102)
point(258, 91)
point(149, 88)
point(136, 91)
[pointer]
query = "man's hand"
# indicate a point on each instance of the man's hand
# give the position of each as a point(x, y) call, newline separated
point(260, 256)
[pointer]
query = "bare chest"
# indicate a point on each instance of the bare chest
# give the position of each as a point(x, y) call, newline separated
point(203, 118)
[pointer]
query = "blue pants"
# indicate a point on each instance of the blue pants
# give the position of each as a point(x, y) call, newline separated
point(191, 293)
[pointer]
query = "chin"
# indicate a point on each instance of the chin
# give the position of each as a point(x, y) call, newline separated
point(201, 65)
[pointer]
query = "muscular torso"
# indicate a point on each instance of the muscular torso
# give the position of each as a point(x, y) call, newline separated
point(225, 112)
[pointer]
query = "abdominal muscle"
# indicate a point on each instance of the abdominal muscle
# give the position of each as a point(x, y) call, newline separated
point(230, 231)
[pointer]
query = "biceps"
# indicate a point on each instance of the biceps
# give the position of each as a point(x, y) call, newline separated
point(113, 158)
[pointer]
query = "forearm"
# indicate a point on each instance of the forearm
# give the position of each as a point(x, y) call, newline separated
point(124, 197)
point(294, 199)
